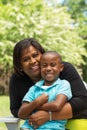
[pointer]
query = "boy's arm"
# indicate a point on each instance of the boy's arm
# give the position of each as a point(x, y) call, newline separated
point(56, 105)
point(27, 107)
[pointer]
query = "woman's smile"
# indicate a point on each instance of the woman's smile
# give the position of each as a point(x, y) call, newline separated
point(35, 67)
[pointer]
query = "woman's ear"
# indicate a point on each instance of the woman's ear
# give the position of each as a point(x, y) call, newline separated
point(21, 68)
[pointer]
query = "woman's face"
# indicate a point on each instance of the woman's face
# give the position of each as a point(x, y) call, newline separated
point(30, 63)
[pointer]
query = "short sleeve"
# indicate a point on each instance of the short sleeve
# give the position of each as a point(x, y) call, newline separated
point(29, 97)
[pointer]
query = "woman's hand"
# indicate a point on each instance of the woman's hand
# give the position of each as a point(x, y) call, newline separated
point(39, 118)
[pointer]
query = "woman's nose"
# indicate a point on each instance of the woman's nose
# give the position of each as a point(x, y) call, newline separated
point(33, 60)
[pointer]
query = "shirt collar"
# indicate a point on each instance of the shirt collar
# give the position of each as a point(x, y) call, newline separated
point(41, 83)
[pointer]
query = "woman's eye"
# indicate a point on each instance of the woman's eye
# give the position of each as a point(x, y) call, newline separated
point(25, 59)
point(35, 55)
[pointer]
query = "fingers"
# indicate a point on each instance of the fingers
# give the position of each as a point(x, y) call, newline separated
point(34, 126)
point(31, 123)
point(39, 118)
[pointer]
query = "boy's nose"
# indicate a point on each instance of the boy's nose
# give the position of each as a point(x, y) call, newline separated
point(48, 68)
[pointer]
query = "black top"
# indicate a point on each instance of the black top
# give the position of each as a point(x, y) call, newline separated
point(20, 85)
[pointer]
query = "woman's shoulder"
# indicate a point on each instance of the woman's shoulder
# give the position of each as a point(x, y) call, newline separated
point(14, 76)
point(67, 65)
point(20, 80)
point(69, 72)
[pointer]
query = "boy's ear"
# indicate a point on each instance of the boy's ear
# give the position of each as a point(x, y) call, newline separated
point(61, 67)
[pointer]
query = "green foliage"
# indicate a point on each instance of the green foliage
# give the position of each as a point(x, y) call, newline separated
point(5, 54)
point(78, 11)
point(52, 26)
point(76, 7)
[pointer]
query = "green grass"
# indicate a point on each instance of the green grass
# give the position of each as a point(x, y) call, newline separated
point(4, 110)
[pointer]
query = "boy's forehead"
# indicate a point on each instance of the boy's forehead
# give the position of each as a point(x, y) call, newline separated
point(50, 55)
point(50, 58)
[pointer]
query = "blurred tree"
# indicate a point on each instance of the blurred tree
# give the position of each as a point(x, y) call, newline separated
point(51, 25)
point(78, 11)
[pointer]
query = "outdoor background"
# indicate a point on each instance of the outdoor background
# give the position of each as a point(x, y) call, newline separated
point(59, 25)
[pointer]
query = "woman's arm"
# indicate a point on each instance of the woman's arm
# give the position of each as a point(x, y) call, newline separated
point(18, 87)
point(41, 117)
point(15, 101)
point(65, 113)
point(78, 102)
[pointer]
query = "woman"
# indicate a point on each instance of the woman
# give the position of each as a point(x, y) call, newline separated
point(26, 61)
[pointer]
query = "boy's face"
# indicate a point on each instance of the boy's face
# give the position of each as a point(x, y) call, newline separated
point(50, 67)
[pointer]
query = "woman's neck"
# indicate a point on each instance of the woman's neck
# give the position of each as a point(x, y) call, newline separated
point(36, 79)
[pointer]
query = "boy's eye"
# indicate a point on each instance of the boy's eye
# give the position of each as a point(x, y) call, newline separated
point(53, 64)
point(43, 65)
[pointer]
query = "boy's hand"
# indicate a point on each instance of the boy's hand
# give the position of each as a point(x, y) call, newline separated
point(42, 99)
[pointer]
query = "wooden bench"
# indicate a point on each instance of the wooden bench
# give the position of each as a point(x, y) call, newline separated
point(11, 122)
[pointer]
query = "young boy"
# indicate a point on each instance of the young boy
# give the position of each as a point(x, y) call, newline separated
point(49, 94)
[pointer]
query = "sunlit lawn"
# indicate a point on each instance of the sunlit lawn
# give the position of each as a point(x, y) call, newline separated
point(4, 110)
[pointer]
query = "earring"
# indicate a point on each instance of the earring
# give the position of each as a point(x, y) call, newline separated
point(20, 69)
